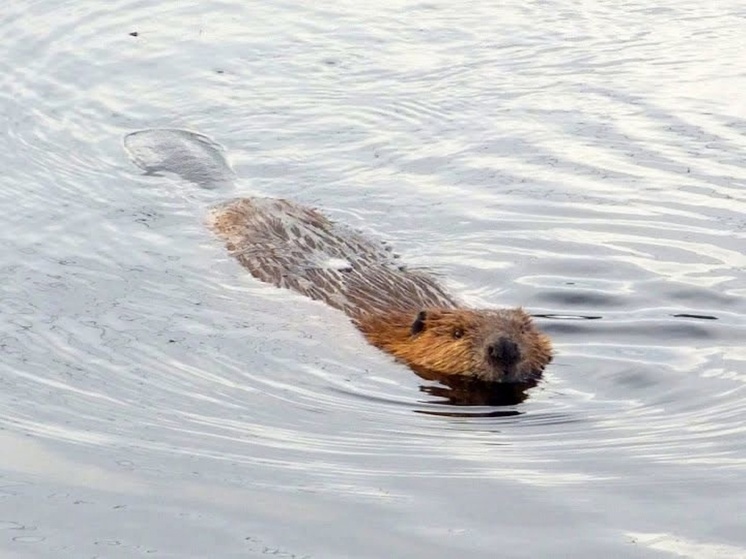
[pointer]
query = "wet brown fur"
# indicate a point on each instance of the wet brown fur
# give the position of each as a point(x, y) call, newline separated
point(401, 311)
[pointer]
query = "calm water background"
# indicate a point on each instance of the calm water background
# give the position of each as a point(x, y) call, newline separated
point(584, 159)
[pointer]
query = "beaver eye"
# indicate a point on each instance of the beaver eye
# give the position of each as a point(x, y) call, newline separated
point(457, 333)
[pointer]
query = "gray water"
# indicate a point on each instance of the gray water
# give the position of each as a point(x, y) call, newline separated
point(584, 159)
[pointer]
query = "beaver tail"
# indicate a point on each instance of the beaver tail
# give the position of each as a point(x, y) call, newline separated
point(191, 156)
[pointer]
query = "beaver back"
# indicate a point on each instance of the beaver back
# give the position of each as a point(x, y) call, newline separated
point(293, 246)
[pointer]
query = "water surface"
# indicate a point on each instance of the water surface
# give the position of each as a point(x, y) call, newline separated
point(584, 160)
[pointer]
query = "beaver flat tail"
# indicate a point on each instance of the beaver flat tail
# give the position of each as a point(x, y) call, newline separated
point(191, 156)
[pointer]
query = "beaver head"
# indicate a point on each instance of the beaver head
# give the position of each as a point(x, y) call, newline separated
point(500, 345)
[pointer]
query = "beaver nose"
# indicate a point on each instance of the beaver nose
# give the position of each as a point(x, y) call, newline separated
point(504, 351)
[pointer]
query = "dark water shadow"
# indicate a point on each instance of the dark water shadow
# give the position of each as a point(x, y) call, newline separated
point(555, 316)
point(460, 393)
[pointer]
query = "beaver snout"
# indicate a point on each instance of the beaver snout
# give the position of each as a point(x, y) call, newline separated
point(504, 352)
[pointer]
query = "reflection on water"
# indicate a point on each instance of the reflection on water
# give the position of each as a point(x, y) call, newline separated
point(470, 392)
point(584, 161)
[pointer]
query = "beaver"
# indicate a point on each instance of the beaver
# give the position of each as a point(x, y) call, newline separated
point(402, 311)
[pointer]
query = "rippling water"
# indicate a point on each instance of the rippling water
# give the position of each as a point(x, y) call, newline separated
point(585, 160)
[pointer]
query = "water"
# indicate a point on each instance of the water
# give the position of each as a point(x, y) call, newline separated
point(585, 160)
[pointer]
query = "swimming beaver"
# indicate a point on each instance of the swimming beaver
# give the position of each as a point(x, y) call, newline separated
point(404, 312)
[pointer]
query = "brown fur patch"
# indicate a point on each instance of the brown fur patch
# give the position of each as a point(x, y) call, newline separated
point(289, 245)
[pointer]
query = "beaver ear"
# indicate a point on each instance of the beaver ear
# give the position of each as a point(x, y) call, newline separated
point(419, 323)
